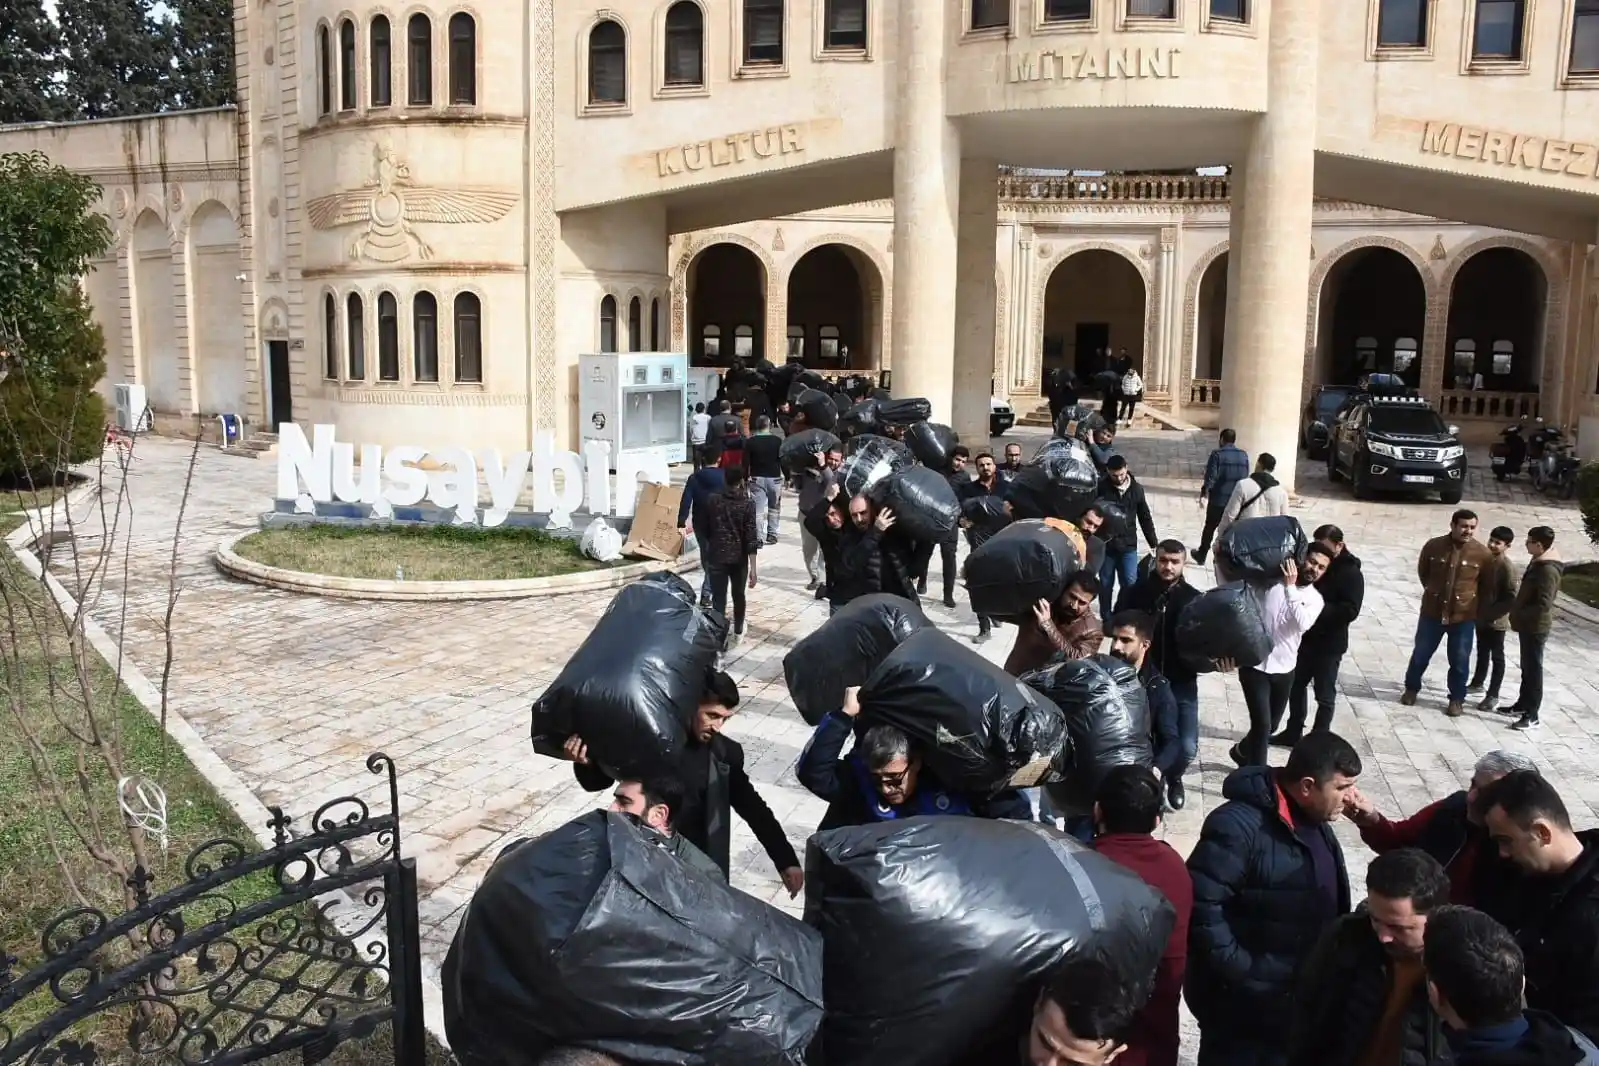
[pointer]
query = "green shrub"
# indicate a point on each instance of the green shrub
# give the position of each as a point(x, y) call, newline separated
point(1588, 499)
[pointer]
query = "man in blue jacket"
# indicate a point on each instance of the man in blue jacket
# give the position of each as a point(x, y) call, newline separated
point(1226, 467)
point(702, 486)
point(1269, 877)
point(883, 778)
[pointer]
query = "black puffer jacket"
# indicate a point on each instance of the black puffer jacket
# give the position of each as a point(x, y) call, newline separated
point(1558, 928)
point(1343, 590)
point(1257, 909)
point(1340, 998)
point(1165, 602)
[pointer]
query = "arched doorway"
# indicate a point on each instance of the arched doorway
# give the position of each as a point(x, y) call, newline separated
point(219, 325)
point(1210, 320)
point(726, 305)
point(1373, 311)
point(830, 309)
point(153, 309)
point(1496, 322)
point(1094, 303)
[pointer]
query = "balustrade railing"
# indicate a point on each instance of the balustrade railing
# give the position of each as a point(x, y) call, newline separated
point(1161, 188)
point(1204, 392)
point(1479, 403)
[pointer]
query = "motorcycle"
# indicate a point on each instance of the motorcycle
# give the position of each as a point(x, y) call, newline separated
point(1559, 467)
point(1507, 456)
point(1539, 444)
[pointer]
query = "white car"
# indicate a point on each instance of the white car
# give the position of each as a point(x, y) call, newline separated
point(1000, 416)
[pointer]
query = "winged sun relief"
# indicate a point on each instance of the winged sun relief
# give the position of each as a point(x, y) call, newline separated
point(389, 204)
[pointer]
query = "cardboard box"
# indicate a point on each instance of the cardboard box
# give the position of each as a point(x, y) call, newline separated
point(654, 534)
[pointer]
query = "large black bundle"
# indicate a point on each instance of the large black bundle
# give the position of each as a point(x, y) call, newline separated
point(632, 687)
point(1107, 716)
point(1078, 422)
point(870, 459)
point(980, 729)
point(938, 932)
point(591, 935)
point(1060, 481)
point(1107, 382)
point(932, 443)
point(924, 504)
point(1117, 521)
point(1023, 563)
point(806, 450)
point(810, 379)
point(842, 402)
point(1255, 549)
point(881, 394)
point(844, 650)
point(817, 407)
point(985, 512)
point(1224, 623)
point(859, 420)
point(905, 412)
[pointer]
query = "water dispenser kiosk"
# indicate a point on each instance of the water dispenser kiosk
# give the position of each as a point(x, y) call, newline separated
point(635, 401)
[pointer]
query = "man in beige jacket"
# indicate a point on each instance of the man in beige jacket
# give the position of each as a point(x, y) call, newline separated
point(1257, 496)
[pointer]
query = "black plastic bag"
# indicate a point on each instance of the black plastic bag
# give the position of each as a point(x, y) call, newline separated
point(1023, 563)
point(1059, 481)
point(1107, 716)
point(1118, 523)
point(844, 650)
point(1255, 549)
point(810, 379)
point(1223, 623)
point(859, 420)
point(591, 935)
point(806, 450)
point(632, 687)
point(932, 443)
point(980, 729)
point(924, 504)
point(904, 412)
point(986, 512)
point(937, 933)
point(818, 409)
point(870, 459)
point(1078, 422)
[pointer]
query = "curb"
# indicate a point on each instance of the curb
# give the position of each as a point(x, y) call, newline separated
point(357, 588)
point(245, 804)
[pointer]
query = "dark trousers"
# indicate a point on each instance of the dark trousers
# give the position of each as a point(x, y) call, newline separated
point(1213, 513)
point(1081, 827)
point(1531, 698)
point(946, 556)
point(1186, 691)
point(1490, 650)
point(736, 578)
point(703, 545)
point(1318, 673)
point(1129, 405)
point(1266, 696)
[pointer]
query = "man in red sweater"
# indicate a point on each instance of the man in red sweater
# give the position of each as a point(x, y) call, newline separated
point(1127, 810)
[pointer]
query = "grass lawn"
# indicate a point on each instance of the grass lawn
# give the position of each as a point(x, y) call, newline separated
point(27, 499)
point(424, 553)
point(1582, 582)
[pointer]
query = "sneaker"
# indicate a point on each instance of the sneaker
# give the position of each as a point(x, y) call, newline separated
point(1409, 698)
point(983, 636)
point(1285, 739)
point(1526, 723)
point(1456, 708)
point(949, 601)
point(1475, 686)
point(1489, 704)
point(1236, 754)
point(1513, 710)
point(771, 538)
point(1198, 556)
point(821, 592)
point(731, 642)
point(1175, 796)
point(921, 587)
point(813, 585)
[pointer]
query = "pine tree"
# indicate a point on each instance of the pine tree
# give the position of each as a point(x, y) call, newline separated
point(202, 45)
point(30, 56)
point(118, 58)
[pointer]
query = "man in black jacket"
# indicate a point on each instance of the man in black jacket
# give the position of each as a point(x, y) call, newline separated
point(1369, 962)
point(712, 769)
point(1163, 593)
point(869, 559)
point(984, 512)
point(1321, 651)
point(1119, 487)
point(1268, 876)
point(1554, 911)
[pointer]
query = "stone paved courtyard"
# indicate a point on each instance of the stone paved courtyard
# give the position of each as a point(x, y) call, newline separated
point(294, 691)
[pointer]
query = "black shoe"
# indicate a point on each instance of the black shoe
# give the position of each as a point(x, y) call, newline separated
point(1285, 739)
point(1176, 796)
point(771, 538)
point(1198, 556)
point(821, 592)
point(1236, 754)
point(813, 585)
point(921, 588)
point(949, 601)
point(1512, 711)
point(1526, 723)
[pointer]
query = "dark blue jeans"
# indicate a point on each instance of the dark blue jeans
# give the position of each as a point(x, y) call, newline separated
point(1116, 564)
point(1187, 692)
point(1430, 632)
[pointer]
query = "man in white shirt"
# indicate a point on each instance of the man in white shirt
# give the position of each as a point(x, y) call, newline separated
point(1257, 496)
point(1289, 608)
point(699, 431)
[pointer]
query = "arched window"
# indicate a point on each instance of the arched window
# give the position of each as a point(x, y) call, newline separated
point(743, 342)
point(655, 325)
point(324, 72)
point(468, 337)
point(463, 59)
point(382, 67)
point(346, 65)
point(607, 63)
point(635, 325)
point(425, 335)
point(711, 342)
point(388, 338)
point(685, 44)
point(608, 324)
point(1405, 354)
point(828, 341)
point(1504, 358)
point(763, 31)
point(796, 342)
point(419, 61)
point(845, 25)
point(355, 328)
point(330, 337)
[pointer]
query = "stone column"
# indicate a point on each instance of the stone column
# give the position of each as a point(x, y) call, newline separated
point(1158, 377)
point(975, 298)
point(1021, 342)
point(776, 341)
point(1266, 332)
point(927, 169)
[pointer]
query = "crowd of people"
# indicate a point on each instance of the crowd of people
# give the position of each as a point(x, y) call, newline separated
point(1477, 942)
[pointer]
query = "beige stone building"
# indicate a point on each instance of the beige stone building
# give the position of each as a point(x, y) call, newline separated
point(419, 216)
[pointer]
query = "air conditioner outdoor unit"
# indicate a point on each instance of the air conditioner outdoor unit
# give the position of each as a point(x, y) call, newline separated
point(132, 408)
